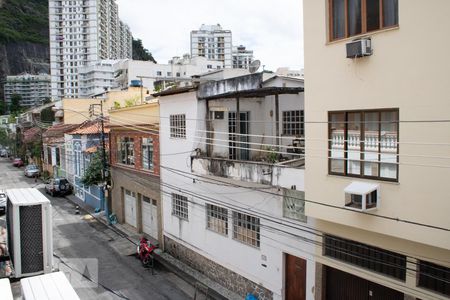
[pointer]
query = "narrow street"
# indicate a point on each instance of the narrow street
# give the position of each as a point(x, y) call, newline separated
point(82, 246)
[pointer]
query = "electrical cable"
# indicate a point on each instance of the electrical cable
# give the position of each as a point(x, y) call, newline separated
point(118, 294)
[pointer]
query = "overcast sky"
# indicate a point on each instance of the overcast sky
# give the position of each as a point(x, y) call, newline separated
point(272, 29)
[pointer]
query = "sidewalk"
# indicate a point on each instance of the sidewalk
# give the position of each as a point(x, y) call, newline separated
point(127, 246)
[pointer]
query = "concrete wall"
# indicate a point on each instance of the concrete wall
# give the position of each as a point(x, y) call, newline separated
point(263, 265)
point(142, 185)
point(402, 73)
point(76, 111)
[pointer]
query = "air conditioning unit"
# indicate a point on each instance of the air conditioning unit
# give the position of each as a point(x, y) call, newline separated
point(29, 225)
point(362, 196)
point(217, 115)
point(359, 48)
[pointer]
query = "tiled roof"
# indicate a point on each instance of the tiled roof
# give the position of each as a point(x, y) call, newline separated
point(59, 130)
point(89, 128)
point(31, 135)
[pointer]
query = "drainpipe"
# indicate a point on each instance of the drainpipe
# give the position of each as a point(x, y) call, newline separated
point(277, 120)
point(209, 134)
point(238, 129)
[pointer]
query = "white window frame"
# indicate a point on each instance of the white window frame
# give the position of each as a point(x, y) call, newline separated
point(246, 229)
point(180, 206)
point(217, 219)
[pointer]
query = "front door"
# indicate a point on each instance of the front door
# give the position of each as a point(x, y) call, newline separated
point(150, 217)
point(295, 282)
point(130, 208)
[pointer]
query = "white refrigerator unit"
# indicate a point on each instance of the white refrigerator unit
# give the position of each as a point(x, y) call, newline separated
point(29, 223)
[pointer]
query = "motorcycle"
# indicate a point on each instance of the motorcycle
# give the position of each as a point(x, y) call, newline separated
point(144, 252)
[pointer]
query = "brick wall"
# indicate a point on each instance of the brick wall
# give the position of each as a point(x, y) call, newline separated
point(216, 272)
point(115, 136)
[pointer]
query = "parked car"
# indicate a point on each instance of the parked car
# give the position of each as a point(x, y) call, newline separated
point(2, 201)
point(4, 153)
point(31, 171)
point(17, 162)
point(58, 187)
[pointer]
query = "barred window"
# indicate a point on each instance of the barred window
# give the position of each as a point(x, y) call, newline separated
point(246, 229)
point(365, 256)
point(434, 277)
point(180, 206)
point(217, 219)
point(293, 122)
point(178, 126)
point(147, 153)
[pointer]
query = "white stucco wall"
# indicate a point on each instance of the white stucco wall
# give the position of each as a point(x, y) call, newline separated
point(275, 238)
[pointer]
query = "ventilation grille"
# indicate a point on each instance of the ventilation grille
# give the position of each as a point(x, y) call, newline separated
point(10, 225)
point(31, 239)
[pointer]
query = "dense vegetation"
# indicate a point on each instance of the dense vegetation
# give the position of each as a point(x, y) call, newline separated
point(24, 21)
point(140, 53)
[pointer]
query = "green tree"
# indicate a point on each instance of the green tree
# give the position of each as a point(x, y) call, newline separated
point(93, 173)
point(140, 53)
point(15, 108)
point(47, 115)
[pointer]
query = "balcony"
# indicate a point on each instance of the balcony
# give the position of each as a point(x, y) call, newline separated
point(285, 174)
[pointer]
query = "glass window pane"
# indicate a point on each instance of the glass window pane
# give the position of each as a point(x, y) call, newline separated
point(390, 13)
point(354, 143)
point(338, 10)
point(337, 142)
point(389, 144)
point(371, 141)
point(373, 14)
point(354, 17)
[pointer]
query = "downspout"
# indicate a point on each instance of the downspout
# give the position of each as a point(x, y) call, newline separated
point(238, 130)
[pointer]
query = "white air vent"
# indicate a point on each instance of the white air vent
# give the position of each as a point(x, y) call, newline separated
point(362, 196)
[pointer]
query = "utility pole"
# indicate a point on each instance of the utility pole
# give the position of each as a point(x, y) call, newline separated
point(104, 202)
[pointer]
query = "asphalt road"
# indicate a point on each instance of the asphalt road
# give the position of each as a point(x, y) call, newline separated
point(82, 246)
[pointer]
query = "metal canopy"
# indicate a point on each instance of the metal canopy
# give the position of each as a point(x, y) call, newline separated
point(254, 93)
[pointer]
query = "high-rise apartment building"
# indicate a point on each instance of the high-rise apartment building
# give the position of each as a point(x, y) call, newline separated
point(212, 42)
point(82, 32)
point(119, 74)
point(242, 58)
point(33, 89)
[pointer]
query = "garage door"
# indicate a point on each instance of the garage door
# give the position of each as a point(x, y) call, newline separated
point(345, 286)
point(150, 217)
point(130, 208)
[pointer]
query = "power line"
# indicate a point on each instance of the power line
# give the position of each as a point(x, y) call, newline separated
point(136, 128)
point(314, 242)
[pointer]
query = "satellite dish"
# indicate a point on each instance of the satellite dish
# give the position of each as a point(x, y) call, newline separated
point(254, 66)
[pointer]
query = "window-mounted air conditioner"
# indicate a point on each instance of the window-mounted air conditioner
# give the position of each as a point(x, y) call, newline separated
point(359, 48)
point(29, 225)
point(362, 196)
point(217, 113)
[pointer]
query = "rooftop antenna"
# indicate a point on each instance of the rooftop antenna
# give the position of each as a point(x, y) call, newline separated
point(254, 66)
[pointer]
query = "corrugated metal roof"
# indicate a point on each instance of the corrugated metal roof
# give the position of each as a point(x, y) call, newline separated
point(26, 196)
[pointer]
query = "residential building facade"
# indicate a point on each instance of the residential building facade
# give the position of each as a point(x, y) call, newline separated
point(232, 184)
point(120, 74)
point(34, 89)
point(81, 144)
point(214, 43)
point(134, 165)
point(376, 183)
point(96, 78)
point(242, 57)
point(81, 33)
